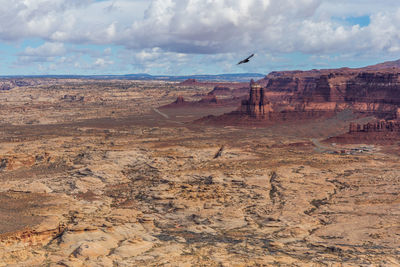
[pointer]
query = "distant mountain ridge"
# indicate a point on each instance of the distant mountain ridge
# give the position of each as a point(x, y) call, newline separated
point(232, 77)
point(229, 77)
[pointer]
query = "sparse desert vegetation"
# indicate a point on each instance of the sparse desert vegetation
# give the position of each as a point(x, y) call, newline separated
point(92, 175)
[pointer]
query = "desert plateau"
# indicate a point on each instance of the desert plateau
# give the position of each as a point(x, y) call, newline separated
point(217, 133)
point(297, 169)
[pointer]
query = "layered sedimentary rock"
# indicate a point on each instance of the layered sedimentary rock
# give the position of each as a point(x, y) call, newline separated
point(256, 106)
point(179, 100)
point(208, 99)
point(374, 88)
point(230, 92)
point(127, 187)
point(214, 84)
point(220, 90)
point(259, 106)
point(204, 102)
point(378, 126)
point(8, 84)
point(377, 132)
point(220, 96)
point(308, 86)
point(369, 91)
point(188, 82)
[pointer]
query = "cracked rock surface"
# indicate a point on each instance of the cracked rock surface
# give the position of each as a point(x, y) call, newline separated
point(128, 187)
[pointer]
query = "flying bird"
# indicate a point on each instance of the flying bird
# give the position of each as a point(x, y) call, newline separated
point(246, 60)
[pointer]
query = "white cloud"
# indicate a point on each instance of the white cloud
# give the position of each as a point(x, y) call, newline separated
point(276, 26)
point(161, 31)
point(198, 26)
point(43, 53)
point(148, 60)
point(107, 51)
point(46, 50)
point(102, 63)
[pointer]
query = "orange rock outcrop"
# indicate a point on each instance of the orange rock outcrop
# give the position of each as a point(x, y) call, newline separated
point(257, 105)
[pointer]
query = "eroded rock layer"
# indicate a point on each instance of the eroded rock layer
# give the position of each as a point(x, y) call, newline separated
point(306, 93)
point(219, 96)
point(125, 185)
point(379, 126)
point(378, 132)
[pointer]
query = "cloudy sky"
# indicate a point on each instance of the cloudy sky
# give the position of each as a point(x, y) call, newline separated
point(194, 36)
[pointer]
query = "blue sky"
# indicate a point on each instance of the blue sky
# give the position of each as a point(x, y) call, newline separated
point(194, 36)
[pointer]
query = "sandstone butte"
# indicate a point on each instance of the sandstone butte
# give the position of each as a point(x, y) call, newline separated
point(218, 97)
point(196, 83)
point(325, 92)
point(302, 95)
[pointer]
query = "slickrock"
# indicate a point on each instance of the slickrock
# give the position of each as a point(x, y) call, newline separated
point(125, 186)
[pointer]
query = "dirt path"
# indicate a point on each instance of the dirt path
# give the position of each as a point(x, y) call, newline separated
point(161, 113)
point(319, 147)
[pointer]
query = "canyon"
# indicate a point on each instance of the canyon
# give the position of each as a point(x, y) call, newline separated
point(370, 93)
point(313, 93)
point(297, 169)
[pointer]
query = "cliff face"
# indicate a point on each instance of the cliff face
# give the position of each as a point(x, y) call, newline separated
point(376, 127)
point(374, 88)
point(378, 132)
point(337, 85)
point(289, 98)
point(368, 91)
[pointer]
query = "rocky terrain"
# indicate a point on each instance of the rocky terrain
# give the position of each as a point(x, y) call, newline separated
point(365, 90)
point(92, 173)
point(222, 95)
point(211, 84)
point(377, 132)
point(309, 95)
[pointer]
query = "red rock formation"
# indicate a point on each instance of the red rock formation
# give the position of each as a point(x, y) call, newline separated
point(226, 97)
point(298, 95)
point(239, 92)
point(227, 92)
point(378, 132)
point(220, 90)
point(256, 106)
point(208, 99)
point(363, 90)
point(370, 90)
point(196, 83)
point(385, 65)
point(378, 126)
point(189, 82)
point(179, 100)
point(374, 88)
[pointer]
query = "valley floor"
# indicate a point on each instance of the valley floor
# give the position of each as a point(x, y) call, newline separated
point(109, 181)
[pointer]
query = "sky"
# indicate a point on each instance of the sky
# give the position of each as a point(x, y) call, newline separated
point(182, 37)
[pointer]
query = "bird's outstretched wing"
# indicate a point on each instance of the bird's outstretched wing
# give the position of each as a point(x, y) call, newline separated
point(252, 55)
point(246, 60)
